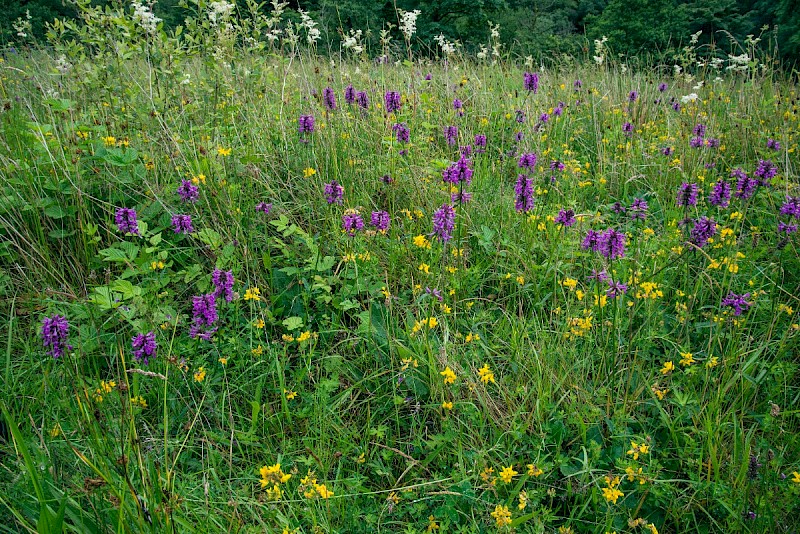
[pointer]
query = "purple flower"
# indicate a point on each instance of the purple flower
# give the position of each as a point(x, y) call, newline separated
point(696, 142)
point(577, 84)
point(451, 134)
point(527, 161)
point(55, 331)
point(676, 106)
point(329, 99)
point(773, 144)
point(188, 191)
point(444, 220)
point(618, 208)
point(305, 124)
point(350, 94)
point(565, 217)
point(144, 347)
point(435, 292)
point(704, 229)
point(462, 197)
point(380, 220)
point(559, 109)
point(204, 315)
point(712, 142)
point(591, 241)
point(662, 87)
point(352, 223)
point(667, 151)
point(530, 81)
point(428, 76)
point(519, 116)
point(687, 194)
point(745, 186)
point(334, 192)
point(402, 132)
point(182, 224)
point(632, 96)
point(465, 151)
point(791, 207)
point(362, 100)
point(615, 289)
point(519, 136)
point(601, 276)
point(765, 172)
point(387, 179)
point(786, 228)
point(737, 302)
point(392, 101)
point(720, 194)
point(264, 207)
point(556, 165)
point(480, 144)
point(126, 221)
point(223, 284)
point(699, 130)
point(458, 172)
point(543, 118)
point(638, 209)
point(627, 128)
point(611, 244)
point(457, 104)
point(523, 193)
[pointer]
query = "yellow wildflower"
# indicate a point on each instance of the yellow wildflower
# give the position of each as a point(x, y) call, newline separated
point(200, 374)
point(308, 172)
point(502, 515)
point(507, 474)
point(252, 293)
point(668, 368)
point(224, 151)
point(486, 374)
point(449, 375)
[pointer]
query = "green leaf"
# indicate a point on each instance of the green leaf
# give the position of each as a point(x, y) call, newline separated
point(292, 323)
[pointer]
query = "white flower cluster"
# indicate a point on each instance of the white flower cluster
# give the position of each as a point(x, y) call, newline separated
point(312, 32)
point(447, 47)
point(23, 26)
point(408, 22)
point(353, 41)
point(738, 63)
point(599, 50)
point(274, 19)
point(691, 97)
point(220, 11)
point(62, 65)
point(144, 16)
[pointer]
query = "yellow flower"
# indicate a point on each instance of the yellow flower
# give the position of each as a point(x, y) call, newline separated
point(637, 449)
point(425, 268)
point(290, 395)
point(523, 500)
point(447, 405)
point(200, 374)
point(507, 474)
point(304, 336)
point(521, 280)
point(224, 151)
point(223, 360)
point(712, 362)
point(258, 351)
point(287, 338)
point(502, 515)
point(569, 283)
point(796, 477)
point(252, 293)
point(612, 494)
point(273, 475)
point(686, 359)
point(472, 337)
point(486, 374)
point(422, 242)
point(139, 401)
point(308, 172)
point(259, 323)
point(659, 391)
point(668, 368)
point(110, 140)
point(449, 375)
point(385, 292)
point(534, 471)
point(432, 525)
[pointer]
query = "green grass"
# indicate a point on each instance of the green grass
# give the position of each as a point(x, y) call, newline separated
point(358, 405)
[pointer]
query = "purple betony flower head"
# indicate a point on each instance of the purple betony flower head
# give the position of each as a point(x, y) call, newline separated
point(618, 208)
point(627, 128)
point(667, 151)
point(444, 221)
point(204, 315)
point(334, 192)
point(577, 84)
point(329, 99)
point(362, 100)
point(519, 136)
point(662, 87)
point(543, 118)
point(704, 229)
point(739, 303)
point(519, 116)
point(144, 347)
point(402, 133)
point(745, 186)
point(565, 217)
point(458, 172)
point(773, 144)
point(264, 207)
point(188, 191)
point(559, 109)
point(350, 94)
point(126, 221)
point(615, 289)
point(305, 124)
point(600, 276)
point(696, 142)
point(480, 143)
point(352, 222)
point(380, 220)
point(182, 224)
point(392, 101)
point(765, 172)
point(223, 284)
point(638, 209)
point(687, 194)
point(523, 193)
point(720, 195)
point(527, 161)
point(55, 331)
point(451, 135)
point(457, 104)
point(699, 130)
point(465, 151)
point(461, 197)
point(530, 81)
point(591, 241)
point(791, 207)
point(611, 244)
point(787, 229)
point(632, 96)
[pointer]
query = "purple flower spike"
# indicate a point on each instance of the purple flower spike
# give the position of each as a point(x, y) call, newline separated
point(444, 220)
point(334, 192)
point(55, 331)
point(380, 220)
point(223, 284)
point(126, 221)
point(530, 81)
point(182, 224)
point(188, 191)
point(144, 347)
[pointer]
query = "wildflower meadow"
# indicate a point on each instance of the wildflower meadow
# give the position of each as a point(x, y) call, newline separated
point(248, 286)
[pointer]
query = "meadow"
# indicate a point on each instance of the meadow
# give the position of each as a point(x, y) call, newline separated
point(250, 288)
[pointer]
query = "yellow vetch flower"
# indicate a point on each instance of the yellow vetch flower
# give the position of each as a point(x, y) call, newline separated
point(200, 374)
point(637, 449)
point(796, 477)
point(252, 293)
point(308, 172)
point(686, 359)
point(224, 151)
point(534, 471)
point(501, 515)
point(449, 375)
point(486, 374)
point(422, 242)
point(668, 368)
point(290, 395)
point(523, 500)
point(447, 405)
point(507, 474)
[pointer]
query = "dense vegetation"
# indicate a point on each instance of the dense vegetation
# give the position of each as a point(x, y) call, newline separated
point(545, 29)
point(249, 288)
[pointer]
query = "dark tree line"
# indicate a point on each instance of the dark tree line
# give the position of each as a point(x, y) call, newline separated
point(528, 27)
